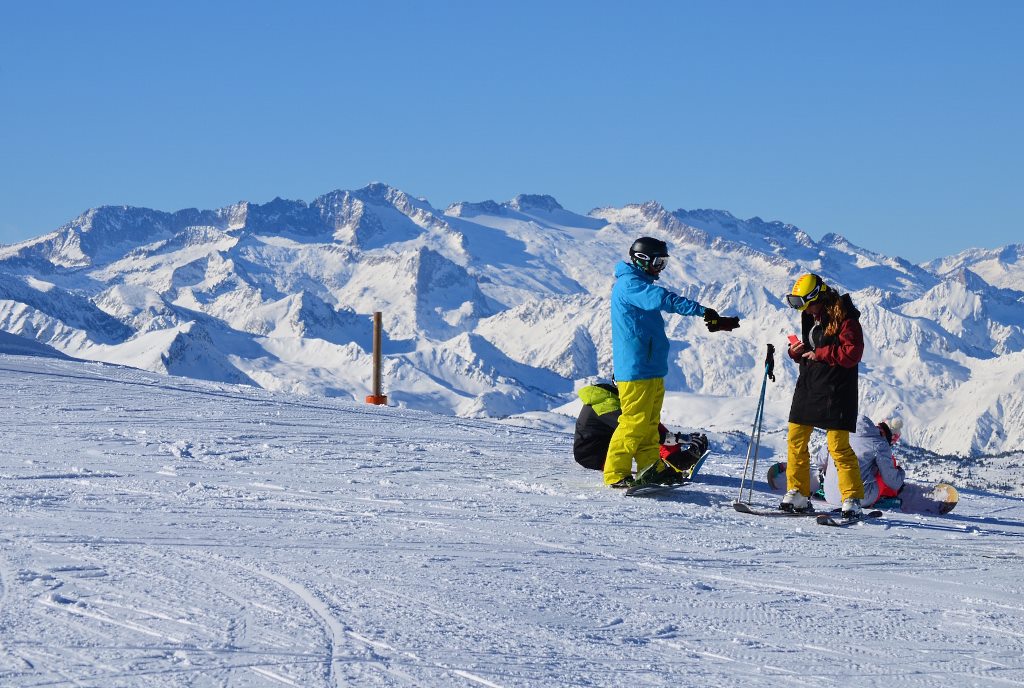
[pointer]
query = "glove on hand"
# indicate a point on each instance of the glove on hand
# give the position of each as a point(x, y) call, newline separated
point(728, 324)
point(715, 322)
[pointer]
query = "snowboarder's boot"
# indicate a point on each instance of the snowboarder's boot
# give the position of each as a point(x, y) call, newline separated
point(658, 473)
point(851, 508)
point(622, 484)
point(682, 461)
point(691, 448)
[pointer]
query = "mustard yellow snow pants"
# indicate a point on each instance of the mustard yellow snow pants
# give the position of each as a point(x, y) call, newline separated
point(798, 465)
point(637, 432)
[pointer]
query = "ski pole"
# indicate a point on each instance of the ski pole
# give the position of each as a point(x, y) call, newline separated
point(753, 446)
point(750, 443)
point(769, 373)
point(757, 451)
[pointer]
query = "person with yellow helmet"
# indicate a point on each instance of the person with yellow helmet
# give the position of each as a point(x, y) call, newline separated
point(828, 353)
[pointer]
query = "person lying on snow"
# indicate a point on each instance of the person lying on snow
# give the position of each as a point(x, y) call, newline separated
point(597, 422)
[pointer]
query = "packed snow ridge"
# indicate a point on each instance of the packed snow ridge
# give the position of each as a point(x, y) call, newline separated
point(167, 532)
point(495, 309)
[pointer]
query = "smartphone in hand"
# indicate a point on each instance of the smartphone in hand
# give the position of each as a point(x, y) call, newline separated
point(793, 340)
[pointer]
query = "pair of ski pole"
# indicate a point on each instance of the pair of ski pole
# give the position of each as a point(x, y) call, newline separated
point(755, 432)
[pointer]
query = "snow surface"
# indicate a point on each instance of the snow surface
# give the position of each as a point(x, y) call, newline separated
point(162, 531)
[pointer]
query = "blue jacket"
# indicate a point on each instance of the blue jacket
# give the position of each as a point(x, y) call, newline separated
point(639, 342)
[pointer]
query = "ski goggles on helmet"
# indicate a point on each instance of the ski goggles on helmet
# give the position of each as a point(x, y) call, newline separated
point(800, 302)
point(657, 263)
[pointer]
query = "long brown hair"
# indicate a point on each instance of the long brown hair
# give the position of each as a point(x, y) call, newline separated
point(834, 312)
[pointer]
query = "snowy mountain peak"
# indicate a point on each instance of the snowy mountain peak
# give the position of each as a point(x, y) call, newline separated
point(652, 210)
point(836, 241)
point(720, 217)
point(1002, 267)
point(637, 217)
point(970, 280)
point(465, 209)
point(528, 202)
point(376, 215)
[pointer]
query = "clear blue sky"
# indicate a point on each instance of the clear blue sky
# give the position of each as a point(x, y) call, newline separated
point(896, 124)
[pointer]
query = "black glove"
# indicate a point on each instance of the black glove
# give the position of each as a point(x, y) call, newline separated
point(715, 322)
point(728, 323)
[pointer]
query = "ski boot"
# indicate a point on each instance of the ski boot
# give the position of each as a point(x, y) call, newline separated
point(796, 503)
point(851, 508)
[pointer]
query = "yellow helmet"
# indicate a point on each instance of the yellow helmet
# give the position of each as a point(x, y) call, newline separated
point(808, 288)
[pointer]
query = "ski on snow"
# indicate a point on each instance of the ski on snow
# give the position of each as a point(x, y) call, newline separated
point(745, 508)
point(823, 518)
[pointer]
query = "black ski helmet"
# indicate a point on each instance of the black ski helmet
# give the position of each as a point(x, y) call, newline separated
point(645, 250)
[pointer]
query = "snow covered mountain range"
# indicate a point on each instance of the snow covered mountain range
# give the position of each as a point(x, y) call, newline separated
point(496, 309)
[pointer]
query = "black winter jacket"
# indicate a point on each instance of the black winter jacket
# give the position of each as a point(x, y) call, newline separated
point(594, 433)
point(826, 390)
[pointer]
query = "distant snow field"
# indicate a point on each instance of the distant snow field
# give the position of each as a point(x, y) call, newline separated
point(161, 531)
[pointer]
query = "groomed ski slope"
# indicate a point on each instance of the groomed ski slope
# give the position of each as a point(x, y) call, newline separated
point(164, 532)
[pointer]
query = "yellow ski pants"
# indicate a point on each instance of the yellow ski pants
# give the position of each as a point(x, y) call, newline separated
point(637, 432)
point(798, 465)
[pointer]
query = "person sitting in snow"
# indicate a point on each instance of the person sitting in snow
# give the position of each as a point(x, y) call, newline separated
point(872, 443)
point(597, 422)
point(881, 474)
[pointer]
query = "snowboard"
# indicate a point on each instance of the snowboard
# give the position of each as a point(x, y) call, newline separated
point(777, 477)
point(644, 490)
point(920, 499)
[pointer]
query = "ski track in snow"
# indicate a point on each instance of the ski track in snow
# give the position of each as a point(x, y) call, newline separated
point(166, 532)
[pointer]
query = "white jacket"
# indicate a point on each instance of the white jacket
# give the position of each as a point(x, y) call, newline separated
point(875, 457)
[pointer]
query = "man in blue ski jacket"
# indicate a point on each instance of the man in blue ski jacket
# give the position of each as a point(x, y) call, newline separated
point(640, 355)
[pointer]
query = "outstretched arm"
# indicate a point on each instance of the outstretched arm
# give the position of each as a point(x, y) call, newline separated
point(651, 297)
